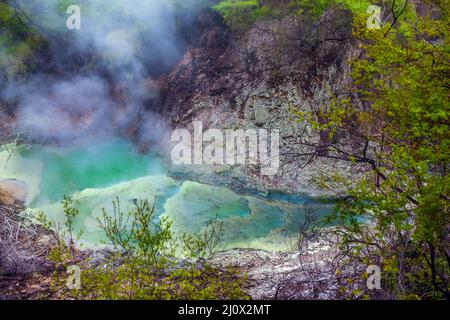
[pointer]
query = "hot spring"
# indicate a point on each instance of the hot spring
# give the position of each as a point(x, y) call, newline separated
point(95, 174)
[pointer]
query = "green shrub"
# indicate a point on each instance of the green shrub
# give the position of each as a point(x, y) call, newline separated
point(18, 41)
point(401, 121)
point(240, 14)
point(149, 262)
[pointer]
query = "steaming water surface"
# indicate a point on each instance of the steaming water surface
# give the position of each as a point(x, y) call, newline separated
point(66, 171)
point(97, 173)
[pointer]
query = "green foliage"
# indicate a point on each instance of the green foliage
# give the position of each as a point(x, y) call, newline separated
point(136, 231)
point(240, 14)
point(70, 212)
point(62, 252)
point(149, 262)
point(207, 243)
point(18, 40)
point(316, 8)
point(402, 117)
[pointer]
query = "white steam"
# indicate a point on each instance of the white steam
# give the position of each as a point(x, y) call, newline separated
point(132, 38)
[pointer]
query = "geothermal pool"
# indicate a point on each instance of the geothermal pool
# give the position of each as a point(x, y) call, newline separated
point(97, 173)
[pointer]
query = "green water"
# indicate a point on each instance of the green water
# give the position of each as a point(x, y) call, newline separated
point(66, 171)
point(97, 173)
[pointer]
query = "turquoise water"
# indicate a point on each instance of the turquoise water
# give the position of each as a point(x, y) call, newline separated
point(96, 165)
point(97, 173)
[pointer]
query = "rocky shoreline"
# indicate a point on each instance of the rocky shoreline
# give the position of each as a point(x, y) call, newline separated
point(26, 272)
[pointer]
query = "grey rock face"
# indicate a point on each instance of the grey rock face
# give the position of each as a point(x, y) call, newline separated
point(257, 80)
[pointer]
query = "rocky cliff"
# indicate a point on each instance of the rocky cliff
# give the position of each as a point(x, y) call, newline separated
point(255, 79)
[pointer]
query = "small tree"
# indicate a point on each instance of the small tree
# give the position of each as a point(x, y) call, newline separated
point(393, 124)
point(149, 262)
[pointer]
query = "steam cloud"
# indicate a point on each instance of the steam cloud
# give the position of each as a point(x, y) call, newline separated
point(132, 40)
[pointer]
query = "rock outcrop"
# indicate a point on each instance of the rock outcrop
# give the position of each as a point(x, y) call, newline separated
point(13, 192)
point(256, 79)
